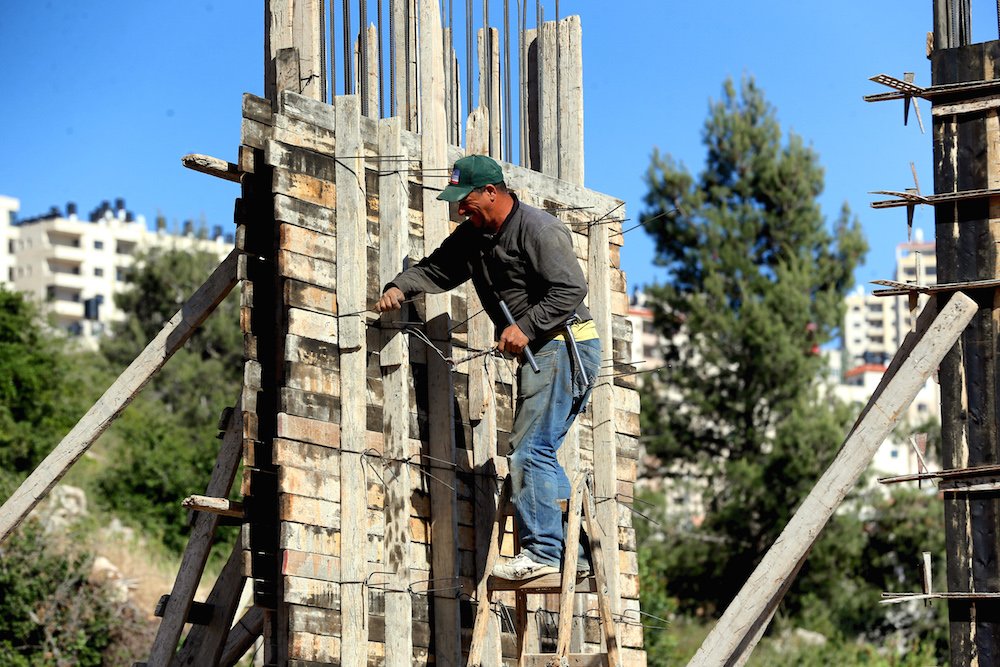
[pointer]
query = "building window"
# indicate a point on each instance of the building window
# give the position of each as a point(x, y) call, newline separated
point(98, 271)
point(894, 453)
point(98, 245)
point(120, 274)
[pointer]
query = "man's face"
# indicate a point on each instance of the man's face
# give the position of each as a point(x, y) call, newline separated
point(474, 207)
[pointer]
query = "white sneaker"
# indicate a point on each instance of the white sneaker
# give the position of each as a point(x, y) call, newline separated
point(521, 567)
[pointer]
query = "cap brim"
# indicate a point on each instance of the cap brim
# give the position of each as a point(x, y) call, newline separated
point(455, 193)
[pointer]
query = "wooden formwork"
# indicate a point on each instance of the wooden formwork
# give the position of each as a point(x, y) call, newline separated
point(372, 466)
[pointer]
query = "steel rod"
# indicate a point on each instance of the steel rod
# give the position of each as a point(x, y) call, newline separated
point(348, 76)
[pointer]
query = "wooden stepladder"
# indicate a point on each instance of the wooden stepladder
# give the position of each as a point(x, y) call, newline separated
point(567, 584)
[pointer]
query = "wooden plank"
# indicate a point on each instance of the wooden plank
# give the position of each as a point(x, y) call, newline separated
point(314, 511)
point(434, 156)
point(257, 109)
point(313, 620)
point(205, 644)
point(242, 636)
point(350, 243)
point(296, 24)
point(394, 361)
point(315, 379)
point(571, 163)
point(308, 430)
point(482, 411)
point(372, 60)
point(315, 326)
point(548, 100)
point(317, 217)
point(312, 539)
point(605, 602)
point(303, 241)
point(297, 133)
point(602, 403)
point(310, 565)
point(213, 166)
point(568, 588)
point(571, 660)
point(744, 620)
point(304, 187)
point(119, 395)
point(220, 506)
point(479, 645)
point(310, 297)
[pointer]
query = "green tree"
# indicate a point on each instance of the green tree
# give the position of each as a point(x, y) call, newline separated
point(44, 388)
point(756, 283)
point(165, 444)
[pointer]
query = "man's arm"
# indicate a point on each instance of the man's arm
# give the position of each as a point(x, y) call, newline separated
point(444, 269)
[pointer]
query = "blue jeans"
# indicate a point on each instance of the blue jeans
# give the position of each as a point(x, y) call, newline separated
point(547, 404)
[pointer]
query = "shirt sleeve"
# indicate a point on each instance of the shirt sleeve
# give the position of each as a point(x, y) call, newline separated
point(444, 269)
point(551, 254)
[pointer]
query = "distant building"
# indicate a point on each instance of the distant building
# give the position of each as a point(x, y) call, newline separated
point(73, 267)
point(647, 343)
point(874, 328)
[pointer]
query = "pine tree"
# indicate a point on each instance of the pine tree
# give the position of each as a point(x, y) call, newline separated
point(756, 280)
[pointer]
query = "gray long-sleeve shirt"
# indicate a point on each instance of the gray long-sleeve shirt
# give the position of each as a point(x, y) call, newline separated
point(529, 264)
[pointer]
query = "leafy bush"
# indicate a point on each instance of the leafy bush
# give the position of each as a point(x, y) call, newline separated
point(51, 614)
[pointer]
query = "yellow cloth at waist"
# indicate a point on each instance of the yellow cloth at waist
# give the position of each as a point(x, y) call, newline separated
point(581, 331)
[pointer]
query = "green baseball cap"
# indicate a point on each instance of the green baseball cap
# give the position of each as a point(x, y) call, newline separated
point(469, 173)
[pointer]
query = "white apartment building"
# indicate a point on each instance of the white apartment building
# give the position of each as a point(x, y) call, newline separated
point(646, 351)
point(874, 327)
point(72, 267)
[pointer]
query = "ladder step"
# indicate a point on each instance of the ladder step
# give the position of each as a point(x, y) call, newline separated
point(572, 660)
point(547, 583)
point(199, 614)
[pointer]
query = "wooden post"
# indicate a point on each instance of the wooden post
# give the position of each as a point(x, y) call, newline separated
point(483, 415)
point(372, 73)
point(351, 228)
point(395, 362)
point(603, 406)
point(967, 157)
point(295, 25)
point(735, 635)
point(119, 395)
point(571, 100)
point(444, 524)
point(548, 100)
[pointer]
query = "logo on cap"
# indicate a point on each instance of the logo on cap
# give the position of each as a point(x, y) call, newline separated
point(454, 177)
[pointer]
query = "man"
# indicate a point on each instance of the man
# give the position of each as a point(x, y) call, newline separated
point(524, 257)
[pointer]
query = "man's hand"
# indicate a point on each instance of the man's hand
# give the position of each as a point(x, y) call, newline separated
point(512, 340)
point(392, 299)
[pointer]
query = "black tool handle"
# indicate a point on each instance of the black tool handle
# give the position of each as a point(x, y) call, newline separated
point(527, 351)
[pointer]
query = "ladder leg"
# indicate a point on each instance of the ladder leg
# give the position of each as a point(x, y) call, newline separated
point(483, 596)
point(597, 560)
point(571, 554)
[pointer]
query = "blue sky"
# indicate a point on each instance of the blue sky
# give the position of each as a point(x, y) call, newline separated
point(101, 100)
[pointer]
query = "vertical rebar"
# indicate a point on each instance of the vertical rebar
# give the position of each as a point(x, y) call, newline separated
point(393, 111)
point(332, 50)
point(363, 55)
point(381, 68)
point(487, 79)
point(522, 83)
point(468, 55)
point(322, 52)
point(508, 140)
point(348, 64)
